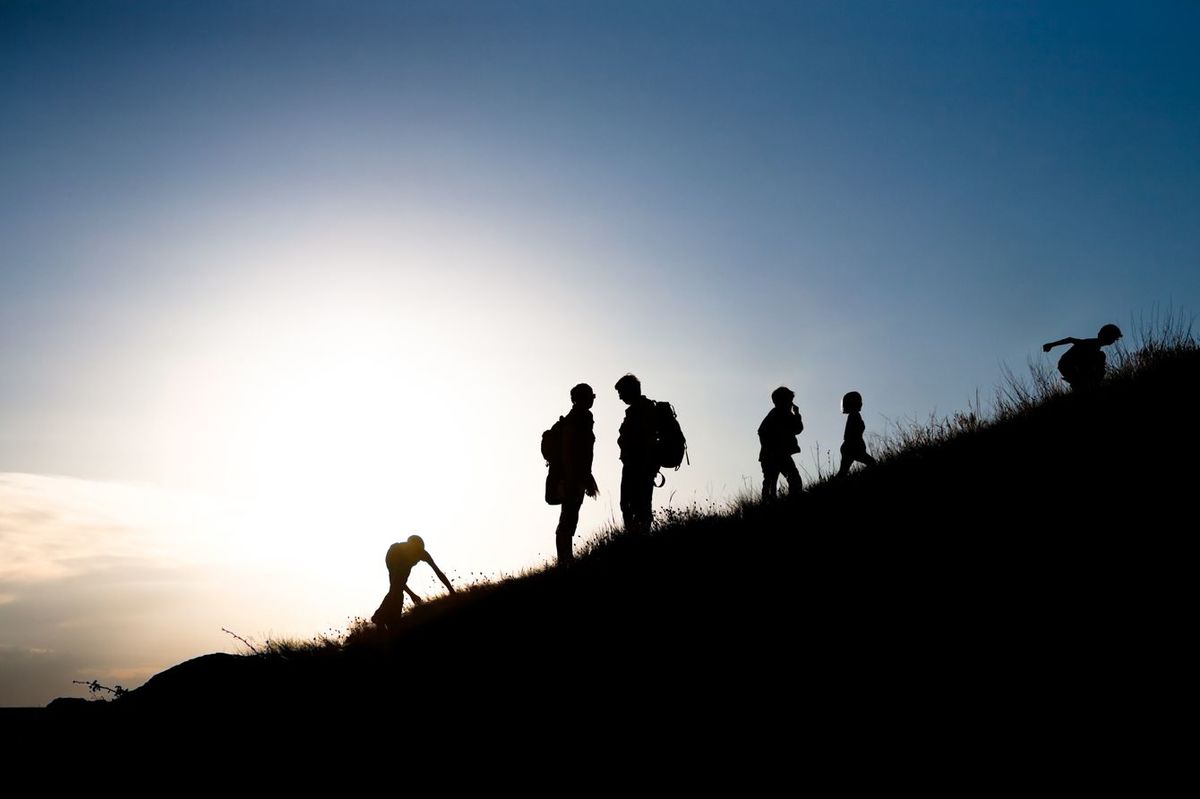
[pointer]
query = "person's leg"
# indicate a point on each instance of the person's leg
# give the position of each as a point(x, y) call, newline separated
point(1068, 368)
point(628, 489)
point(390, 610)
point(646, 499)
point(568, 520)
point(847, 461)
point(1094, 369)
point(637, 497)
point(770, 480)
point(865, 459)
point(795, 486)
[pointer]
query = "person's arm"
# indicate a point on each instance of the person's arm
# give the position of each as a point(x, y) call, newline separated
point(415, 598)
point(572, 458)
point(855, 427)
point(568, 442)
point(438, 572)
point(797, 422)
point(588, 447)
point(1051, 345)
point(587, 454)
point(589, 485)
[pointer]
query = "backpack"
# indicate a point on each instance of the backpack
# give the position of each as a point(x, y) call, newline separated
point(671, 446)
point(552, 444)
point(552, 451)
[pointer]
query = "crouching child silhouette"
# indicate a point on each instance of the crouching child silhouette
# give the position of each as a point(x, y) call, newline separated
point(1083, 365)
point(854, 448)
point(401, 558)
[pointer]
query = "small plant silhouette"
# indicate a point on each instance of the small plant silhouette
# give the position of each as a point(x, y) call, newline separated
point(95, 687)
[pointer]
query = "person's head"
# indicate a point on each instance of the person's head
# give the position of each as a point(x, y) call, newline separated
point(583, 396)
point(417, 542)
point(629, 388)
point(782, 397)
point(1109, 334)
point(852, 402)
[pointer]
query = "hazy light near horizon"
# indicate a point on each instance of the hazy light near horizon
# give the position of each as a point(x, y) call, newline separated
point(54, 528)
point(348, 389)
point(115, 581)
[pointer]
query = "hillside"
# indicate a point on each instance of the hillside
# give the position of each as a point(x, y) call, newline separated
point(1027, 566)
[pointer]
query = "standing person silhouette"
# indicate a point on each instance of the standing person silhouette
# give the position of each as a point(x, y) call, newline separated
point(1082, 366)
point(777, 440)
point(639, 464)
point(575, 478)
point(854, 448)
point(401, 558)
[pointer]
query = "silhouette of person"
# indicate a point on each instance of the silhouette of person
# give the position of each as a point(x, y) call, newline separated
point(853, 446)
point(575, 479)
point(777, 440)
point(1082, 366)
point(639, 464)
point(400, 560)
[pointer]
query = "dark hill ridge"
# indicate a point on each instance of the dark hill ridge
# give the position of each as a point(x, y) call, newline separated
point(1029, 569)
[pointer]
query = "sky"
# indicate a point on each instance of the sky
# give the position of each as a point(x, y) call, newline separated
point(284, 282)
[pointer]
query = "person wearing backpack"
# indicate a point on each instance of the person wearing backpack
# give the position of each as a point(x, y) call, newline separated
point(777, 443)
point(638, 441)
point(568, 453)
point(1083, 365)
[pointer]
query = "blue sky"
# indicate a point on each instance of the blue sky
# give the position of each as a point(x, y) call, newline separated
point(298, 257)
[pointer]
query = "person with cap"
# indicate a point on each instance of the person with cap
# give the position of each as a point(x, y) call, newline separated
point(572, 471)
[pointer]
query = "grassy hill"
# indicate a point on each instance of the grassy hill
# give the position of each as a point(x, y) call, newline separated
point(1025, 567)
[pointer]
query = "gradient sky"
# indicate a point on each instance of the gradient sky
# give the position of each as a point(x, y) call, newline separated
point(283, 282)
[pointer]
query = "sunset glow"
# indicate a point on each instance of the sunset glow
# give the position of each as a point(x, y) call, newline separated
point(282, 284)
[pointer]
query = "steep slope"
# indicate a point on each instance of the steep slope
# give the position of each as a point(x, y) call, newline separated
point(1030, 568)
